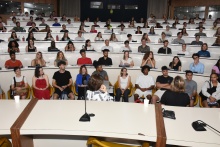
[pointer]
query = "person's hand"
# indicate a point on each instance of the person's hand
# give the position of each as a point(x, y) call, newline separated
point(18, 88)
point(61, 89)
point(64, 87)
point(212, 99)
point(103, 88)
point(122, 91)
point(142, 89)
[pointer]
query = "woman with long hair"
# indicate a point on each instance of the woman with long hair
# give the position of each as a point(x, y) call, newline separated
point(99, 37)
point(175, 64)
point(184, 33)
point(163, 38)
point(49, 37)
point(52, 47)
point(146, 25)
point(217, 33)
point(13, 46)
point(146, 37)
point(152, 32)
point(88, 45)
point(30, 47)
point(113, 38)
point(39, 60)
point(60, 57)
point(65, 37)
point(148, 60)
point(70, 46)
point(13, 37)
point(127, 60)
point(81, 29)
point(30, 36)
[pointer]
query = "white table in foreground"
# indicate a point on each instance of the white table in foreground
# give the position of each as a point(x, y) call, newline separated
point(116, 120)
point(181, 132)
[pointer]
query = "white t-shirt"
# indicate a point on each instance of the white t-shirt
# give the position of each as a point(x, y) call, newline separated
point(108, 31)
point(145, 81)
point(69, 25)
point(124, 82)
point(107, 47)
point(168, 33)
point(186, 53)
point(122, 32)
point(98, 39)
point(18, 79)
point(123, 62)
point(79, 38)
point(125, 49)
point(90, 47)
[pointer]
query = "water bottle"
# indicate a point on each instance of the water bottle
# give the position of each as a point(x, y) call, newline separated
point(23, 39)
point(57, 38)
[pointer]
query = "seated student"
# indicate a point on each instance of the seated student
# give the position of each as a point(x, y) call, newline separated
point(113, 38)
point(39, 60)
point(163, 38)
point(126, 61)
point(122, 31)
point(110, 48)
point(52, 47)
point(105, 60)
point(99, 37)
point(18, 28)
point(214, 27)
point(81, 28)
point(13, 23)
point(69, 24)
point(93, 30)
point(99, 70)
point(148, 60)
point(42, 22)
point(11, 63)
point(197, 42)
point(126, 47)
point(124, 81)
point(146, 37)
point(163, 83)
point(63, 18)
point(143, 48)
point(217, 33)
point(40, 84)
point(196, 66)
point(158, 25)
point(80, 78)
point(30, 36)
point(152, 32)
point(108, 30)
point(29, 23)
point(183, 51)
point(47, 29)
point(65, 37)
point(51, 18)
point(203, 52)
point(95, 24)
point(13, 46)
point(175, 64)
point(97, 91)
point(129, 37)
point(19, 84)
point(88, 45)
point(62, 80)
point(176, 96)
point(184, 32)
point(200, 26)
point(33, 28)
point(190, 87)
point(173, 26)
point(210, 92)
point(217, 41)
point(60, 57)
point(2, 26)
point(49, 37)
point(13, 37)
point(144, 84)
point(83, 59)
point(70, 46)
point(131, 25)
point(64, 28)
point(165, 49)
point(200, 33)
point(138, 30)
point(30, 47)
point(79, 37)
point(179, 39)
point(56, 23)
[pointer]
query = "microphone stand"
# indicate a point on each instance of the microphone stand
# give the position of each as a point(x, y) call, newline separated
point(205, 124)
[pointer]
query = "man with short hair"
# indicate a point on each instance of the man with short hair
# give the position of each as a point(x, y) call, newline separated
point(32, 13)
point(108, 30)
point(95, 24)
point(165, 49)
point(62, 81)
point(110, 48)
point(143, 48)
point(56, 23)
point(43, 22)
point(83, 59)
point(80, 37)
point(11, 63)
point(179, 39)
point(33, 28)
point(69, 24)
point(18, 28)
point(167, 31)
point(200, 33)
point(30, 22)
point(200, 25)
point(122, 31)
point(197, 42)
point(163, 83)
point(105, 60)
point(64, 28)
point(190, 87)
point(196, 66)
point(129, 36)
point(99, 70)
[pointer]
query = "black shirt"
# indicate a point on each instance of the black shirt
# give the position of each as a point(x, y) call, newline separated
point(162, 50)
point(64, 31)
point(102, 61)
point(34, 29)
point(62, 79)
point(172, 98)
point(175, 67)
point(50, 49)
point(164, 80)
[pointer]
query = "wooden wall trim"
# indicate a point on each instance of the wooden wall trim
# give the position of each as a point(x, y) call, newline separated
point(17, 139)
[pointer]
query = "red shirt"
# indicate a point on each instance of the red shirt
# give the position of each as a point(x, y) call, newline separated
point(11, 64)
point(94, 31)
point(85, 60)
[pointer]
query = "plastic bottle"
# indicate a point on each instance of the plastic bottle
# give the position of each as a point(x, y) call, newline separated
point(57, 38)
point(23, 39)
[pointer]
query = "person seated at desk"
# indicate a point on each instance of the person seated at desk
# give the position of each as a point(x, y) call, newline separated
point(18, 28)
point(29, 23)
point(163, 38)
point(99, 37)
point(63, 18)
point(113, 38)
point(97, 91)
point(165, 21)
point(11, 63)
point(124, 81)
point(79, 37)
point(146, 25)
point(200, 26)
point(2, 26)
point(214, 27)
point(32, 13)
point(69, 24)
point(95, 24)
point(179, 39)
point(13, 46)
point(200, 33)
point(191, 21)
point(99, 70)
point(26, 16)
point(105, 60)
point(197, 42)
point(126, 61)
point(83, 59)
point(126, 47)
point(167, 31)
point(88, 45)
point(190, 87)
point(60, 57)
point(49, 37)
point(19, 84)
point(33, 28)
point(40, 83)
point(144, 84)
point(80, 78)
point(56, 23)
point(217, 33)
point(163, 83)
point(152, 32)
point(108, 30)
point(110, 48)
point(42, 22)
point(81, 28)
point(39, 60)
point(65, 37)
point(143, 48)
point(146, 37)
point(13, 23)
point(129, 38)
point(131, 25)
point(51, 18)
point(138, 30)
point(176, 96)
point(184, 33)
point(64, 28)
point(30, 47)
point(196, 66)
point(210, 92)
point(52, 47)
point(47, 29)
point(217, 42)
point(70, 46)
point(122, 31)
point(183, 51)
point(30, 36)
point(148, 60)
point(203, 52)
point(93, 30)
point(62, 80)
point(165, 49)
point(121, 24)
point(158, 25)
point(13, 37)
point(173, 26)
point(175, 64)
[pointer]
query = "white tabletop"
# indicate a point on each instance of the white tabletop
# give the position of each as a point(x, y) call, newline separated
point(181, 132)
point(118, 120)
point(9, 112)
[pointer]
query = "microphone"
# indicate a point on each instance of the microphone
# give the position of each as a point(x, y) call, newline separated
point(200, 125)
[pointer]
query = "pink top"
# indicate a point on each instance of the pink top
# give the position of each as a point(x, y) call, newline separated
point(216, 69)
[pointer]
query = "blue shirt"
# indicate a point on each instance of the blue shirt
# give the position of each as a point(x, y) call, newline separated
point(56, 24)
point(204, 53)
point(199, 68)
point(79, 80)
